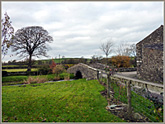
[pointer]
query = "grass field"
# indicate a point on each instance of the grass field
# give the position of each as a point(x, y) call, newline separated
point(68, 101)
point(57, 60)
point(19, 70)
point(44, 61)
point(14, 65)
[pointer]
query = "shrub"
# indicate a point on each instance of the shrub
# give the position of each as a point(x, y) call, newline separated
point(121, 61)
point(29, 80)
point(4, 73)
point(32, 80)
point(65, 76)
point(44, 69)
point(58, 69)
point(133, 61)
point(66, 66)
point(56, 78)
point(72, 76)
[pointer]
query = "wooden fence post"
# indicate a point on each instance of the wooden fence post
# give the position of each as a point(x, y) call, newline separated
point(108, 86)
point(98, 76)
point(129, 97)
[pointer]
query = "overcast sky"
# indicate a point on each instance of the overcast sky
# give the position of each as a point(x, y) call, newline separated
point(79, 28)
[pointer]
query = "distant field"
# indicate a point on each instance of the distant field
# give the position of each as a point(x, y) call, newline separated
point(14, 65)
point(18, 70)
point(43, 62)
point(57, 60)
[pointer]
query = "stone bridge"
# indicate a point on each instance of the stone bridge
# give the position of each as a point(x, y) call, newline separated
point(83, 71)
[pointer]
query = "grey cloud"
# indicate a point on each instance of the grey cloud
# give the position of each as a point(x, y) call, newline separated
point(78, 28)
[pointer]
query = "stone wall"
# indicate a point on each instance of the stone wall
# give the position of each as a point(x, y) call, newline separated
point(102, 66)
point(152, 87)
point(86, 71)
point(149, 53)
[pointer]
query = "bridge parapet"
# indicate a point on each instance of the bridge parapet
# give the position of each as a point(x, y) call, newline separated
point(86, 71)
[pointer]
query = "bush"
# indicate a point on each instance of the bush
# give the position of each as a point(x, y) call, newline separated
point(65, 76)
point(121, 61)
point(44, 69)
point(66, 66)
point(4, 73)
point(58, 69)
point(56, 78)
point(31, 80)
point(133, 62)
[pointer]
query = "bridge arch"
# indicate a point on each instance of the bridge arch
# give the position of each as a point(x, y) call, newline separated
point(78, 74)
point(84, 70)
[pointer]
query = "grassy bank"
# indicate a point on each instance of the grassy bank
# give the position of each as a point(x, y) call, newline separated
point(68, 101)
point(19, 79)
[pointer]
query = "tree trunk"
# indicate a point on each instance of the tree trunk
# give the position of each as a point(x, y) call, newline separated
point(29, 64)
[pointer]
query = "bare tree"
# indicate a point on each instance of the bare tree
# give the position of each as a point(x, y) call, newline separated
point(96, 58)
point(7, 34)
point(107, 49)
point(31, 41)
point(132, 50)
point(122, 50)
point(125, 49)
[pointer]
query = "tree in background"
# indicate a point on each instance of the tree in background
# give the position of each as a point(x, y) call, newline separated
point(133, 54)
point(31, 41)
point(132, 50)
point(122, 50)
point(7, 34)
point(121, 61)
point(96, 59)
point(107, 49)
point(126, 50)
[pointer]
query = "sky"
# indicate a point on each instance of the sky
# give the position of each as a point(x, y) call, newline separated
point(79, 28)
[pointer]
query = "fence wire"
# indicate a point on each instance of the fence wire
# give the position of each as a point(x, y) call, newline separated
point(146, 107)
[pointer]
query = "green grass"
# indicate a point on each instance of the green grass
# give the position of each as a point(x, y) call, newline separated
point(67, 101)
point(13, 78)
point(18, 70)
